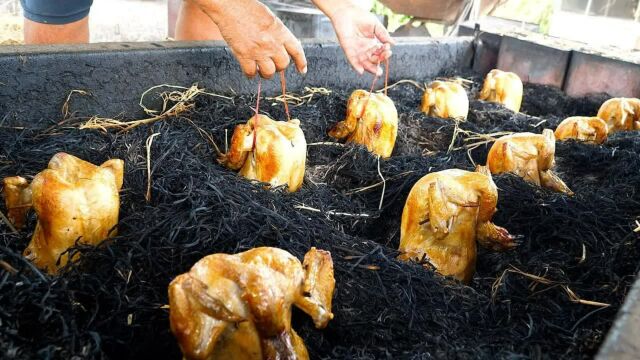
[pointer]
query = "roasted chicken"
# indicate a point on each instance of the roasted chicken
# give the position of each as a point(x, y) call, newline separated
point(445, 99)
point(588, 129)
point(504, 88)
point(445, 214)
point(372, 121)
point(621, 114)
point(530, 156)
point(268, 151)
point(239, 306)
point(74, 201)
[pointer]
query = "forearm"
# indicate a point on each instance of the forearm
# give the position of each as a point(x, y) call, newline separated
point(331, 7)
point(213, 8)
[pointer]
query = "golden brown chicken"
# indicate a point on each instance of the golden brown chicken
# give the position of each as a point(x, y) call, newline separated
point(445, 99)
point(239, 306)
point(504, 88)
point(74, 200)
point(372, 121)
point(588, 129)
point(530, 156)
point(268, 151)
point(445, 214)
point(17, 197)
point(621, 114)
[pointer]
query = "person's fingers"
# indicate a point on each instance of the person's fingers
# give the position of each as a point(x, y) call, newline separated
point(281, 60)
point(385, 55)
point(373, 68)
point(266, 68)
point(248, 67)
point(383, 35)
point(294, 48)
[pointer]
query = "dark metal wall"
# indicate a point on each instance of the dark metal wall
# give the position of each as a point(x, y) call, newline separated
point(34, 80)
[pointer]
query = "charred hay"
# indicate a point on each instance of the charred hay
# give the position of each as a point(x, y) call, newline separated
point(112, 304)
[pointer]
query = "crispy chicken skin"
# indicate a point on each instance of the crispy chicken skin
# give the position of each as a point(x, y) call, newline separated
point(621, 114)
point(587, 129)
point(372, 121)
point(269, 151)
point(445, 99)
point(445, 214)
point(504, 88)
point(17, 197)
point(74, 200)
point(239, 306)
point(530, 156)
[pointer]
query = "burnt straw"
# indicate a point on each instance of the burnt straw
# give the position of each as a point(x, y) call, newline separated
point(112, 303)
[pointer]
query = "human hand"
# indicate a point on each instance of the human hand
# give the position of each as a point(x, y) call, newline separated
point(257, 38)
point(365, 41)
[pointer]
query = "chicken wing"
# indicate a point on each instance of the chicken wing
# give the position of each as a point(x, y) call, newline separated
point(74, 201)
point(503, 88)
point(530, 156)
point(372, 121)
point(17, 197)
point(269, 151)
point(239, 306)
point(445, 214)
point(621, 114)
point(588, 129)
point(445, 99)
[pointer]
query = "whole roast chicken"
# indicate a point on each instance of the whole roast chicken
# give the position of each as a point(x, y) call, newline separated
point(239, 306)
point(445, 214)
point(504, 88)
point(372, 121)
point(268, 151)
point(445, 99)
point(74, 201)
point(530, 156)
point(621, 114)
point(587, 129)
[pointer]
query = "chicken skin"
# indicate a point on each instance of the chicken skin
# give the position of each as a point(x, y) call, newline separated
point(530, 156)
point(239, 306)
point(445, 214)
point(372, 121)
point(445, 99)
point(74, 200)
point(621, 114)
point(268, 151)
point(504, 88)
point(587, 129)
point(17, 197)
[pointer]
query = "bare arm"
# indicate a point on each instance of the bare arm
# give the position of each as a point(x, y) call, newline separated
point(363, 38)
point(257, 38)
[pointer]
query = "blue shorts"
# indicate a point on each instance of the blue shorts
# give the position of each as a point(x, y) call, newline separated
point(56, 11)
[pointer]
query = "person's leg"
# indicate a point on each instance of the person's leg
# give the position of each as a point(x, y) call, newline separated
point(194, 24)
point(73, 33)
point(56, 22)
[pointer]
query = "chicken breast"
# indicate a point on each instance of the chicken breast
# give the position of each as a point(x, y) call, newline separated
point(445, 214)
point(268, 151)
point(530, 156)
point(503, 88)
point(372, 121)
point(239, 306)
point(74, 201)
point(445, 99)
point(588, 129)
point(621, 114)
